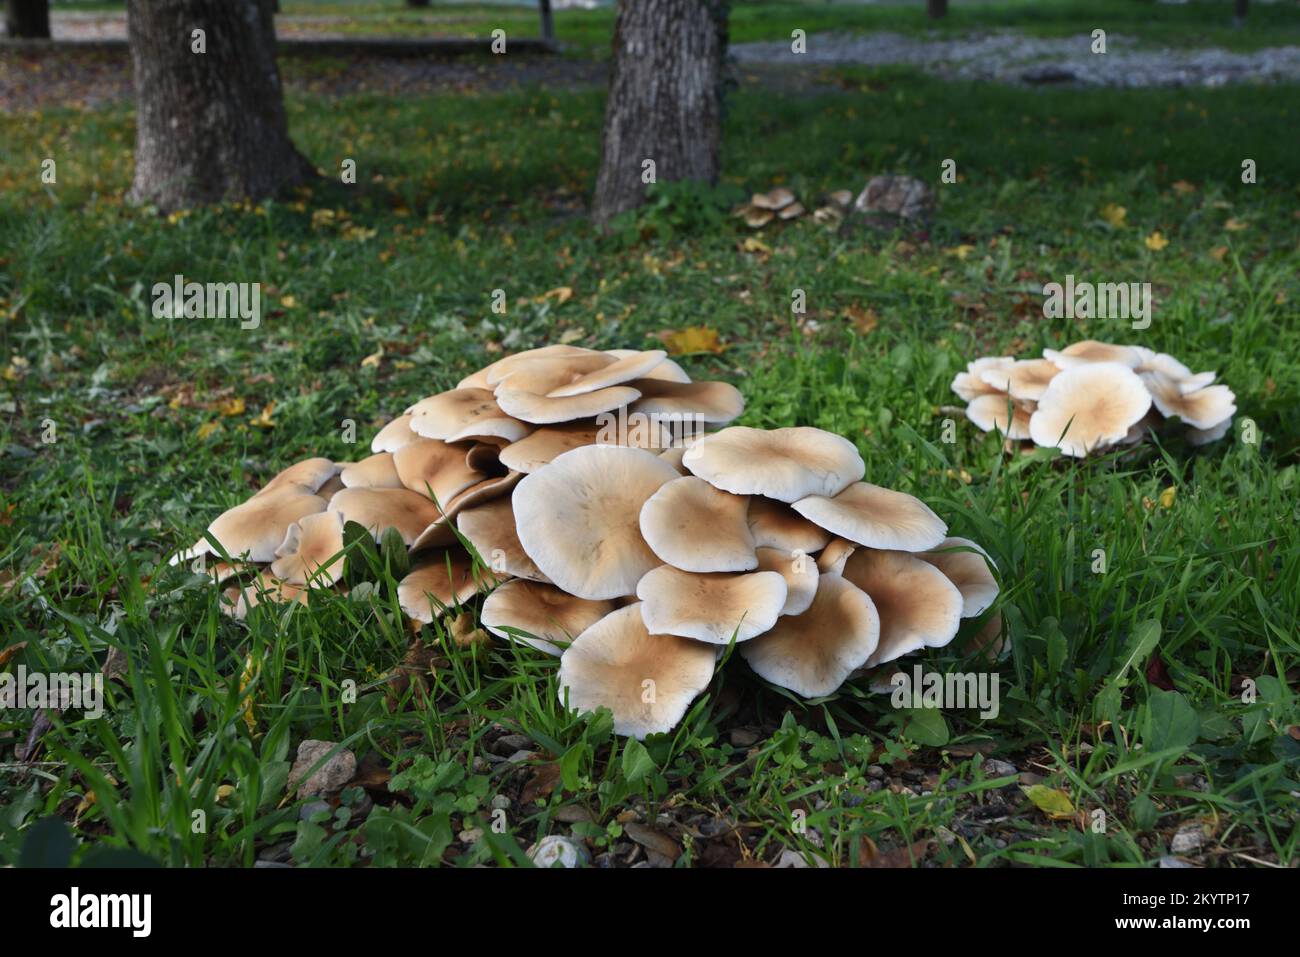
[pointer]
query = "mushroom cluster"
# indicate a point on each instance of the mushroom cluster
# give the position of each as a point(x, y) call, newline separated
point(778, 203)
point(619, 524)
point(1091, 396)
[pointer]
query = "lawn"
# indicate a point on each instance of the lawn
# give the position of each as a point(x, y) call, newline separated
point(122, 435)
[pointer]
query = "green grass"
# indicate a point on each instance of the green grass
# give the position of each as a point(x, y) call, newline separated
point(1198, 23)
point(485, 197)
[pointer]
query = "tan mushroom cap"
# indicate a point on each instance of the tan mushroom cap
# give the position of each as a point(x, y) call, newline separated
point(549, 618)
point(776, 525)
point(542, 374)
point(674, 458)
point(239, 600)
point(544, 410)
point(814, 653)
point(394, 435)
point(491, 530)
point(616, 373)
point(1204, 408)
point(256, 528)
point(549, 441)
point(667, 370)
point(800, 573)
point(711, 402)
point(440, 532)
point(498, 370)
point(918, 606)
point(784, 464)
point(379, 509)
point(445, 579)
point(1022, 380)
point(710, 607)
point(485, 457)
point(436, 469)
point(971, 383)
point(777, 198)
point(793, 211)
point(1090, 350)
point(756, 218)
point(834, 555)
point(579, 518)
point(312, 551)
point(304, 477)
point(465, 414)
point(374, 471)
point(695, 527)
point(989, 412)
point(647, 681)
point(876, 517)
point(1089, 407)
point(1166, 365)
point(969, 570)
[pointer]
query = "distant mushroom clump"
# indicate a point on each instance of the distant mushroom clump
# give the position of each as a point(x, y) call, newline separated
point(618, 523)
point(779, 203)
point(1092, 396)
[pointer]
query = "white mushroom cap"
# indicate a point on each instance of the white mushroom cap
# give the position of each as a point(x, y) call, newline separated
point(800, 573)
point(667, 370)
point(1206, 436)
point(1204, 408)
point(692, 525)
point(504, 366)
point(989, 412)
point(919, 607)
point(379, 509)
point(304, 477)
point(710, 607)
point(971, 383)
point(491, 530)
point(465, 414)
point(814, 653)
point(312, 551)
point(876, 517)
point(969, 570)
point(548, 618)
point(440, 531)
point(776, 525)
point(531, 453)
point(374, 471)
point(256, 528)
point(711, 402)
point(834, 555)
point(618, 372)
point(1090, 350)
point(784, 464)
point(777, 198)
point(439, 470)
point(647, 681)
point(578, 518)
point(1088, 407)
point(394, 435)
point(446, 578)
point(544, 410)
point(1169, 367)
point(1022, 380)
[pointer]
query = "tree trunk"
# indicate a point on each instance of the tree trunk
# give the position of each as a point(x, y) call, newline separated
point(548, 21)
point(27, 18)
point(936, 9)
point(665, 100)
point(210, 125)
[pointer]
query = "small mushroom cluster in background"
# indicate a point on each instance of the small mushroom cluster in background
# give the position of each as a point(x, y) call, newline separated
point(637, 552)
point(1091, 396)
point(438, 471)
point(778, 203)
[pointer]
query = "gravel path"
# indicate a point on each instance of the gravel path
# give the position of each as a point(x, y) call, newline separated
point(1010, 57)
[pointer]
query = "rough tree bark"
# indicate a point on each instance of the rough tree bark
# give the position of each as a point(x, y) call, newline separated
point(27, 18)
point(665, 99)
point(210, 126)
point(936, 9)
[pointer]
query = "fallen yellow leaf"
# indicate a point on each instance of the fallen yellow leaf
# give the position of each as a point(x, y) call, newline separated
point(561, 294)
point(691, 339)
point(231, 407)
point(1167, 497)
point(1182, 187)
point(288, 302)
point(1156, 241)
point(1218, 252)
point(264, 420)
point(961, 252)
point(1052, 802)
point(1114, 214)
point(207, 428)
point(372, 361)
point(1234, 225)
